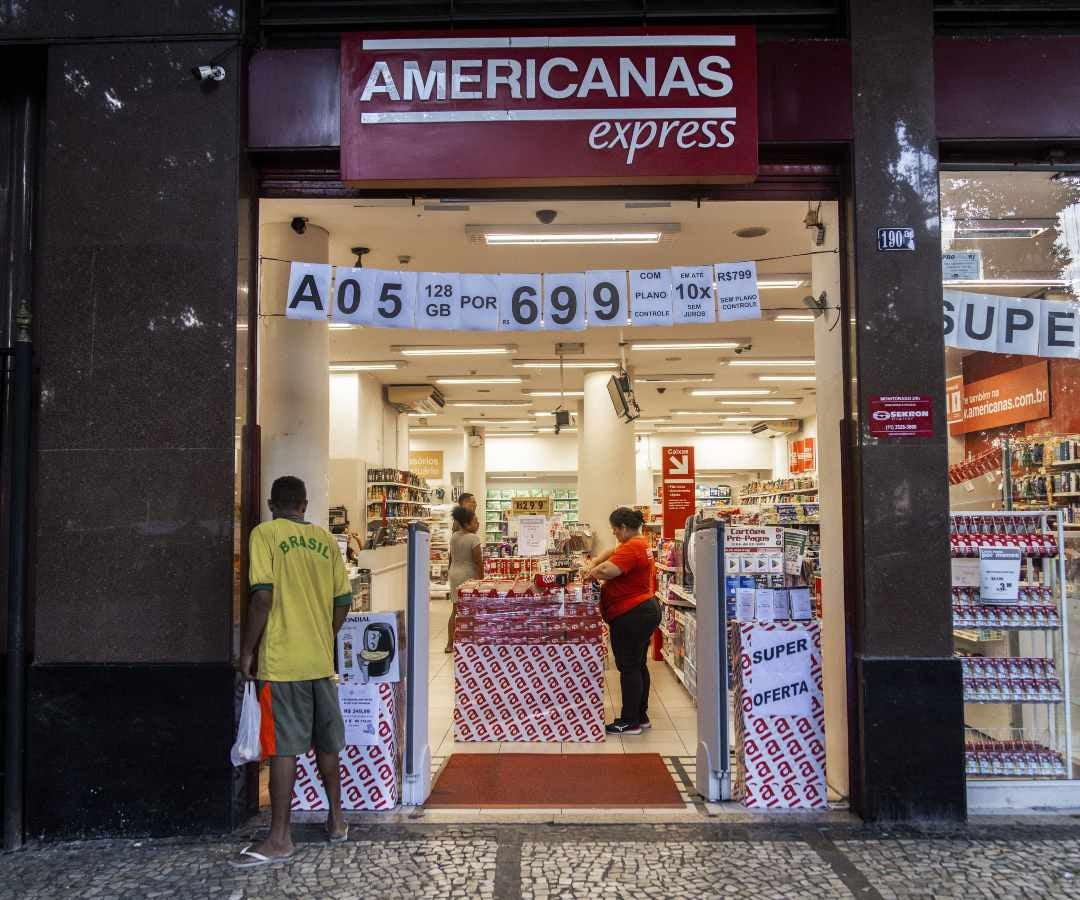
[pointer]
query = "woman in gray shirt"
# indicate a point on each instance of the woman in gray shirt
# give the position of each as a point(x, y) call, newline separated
point(466, 561)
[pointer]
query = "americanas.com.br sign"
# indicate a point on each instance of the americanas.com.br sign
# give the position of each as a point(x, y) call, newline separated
point(557, 105)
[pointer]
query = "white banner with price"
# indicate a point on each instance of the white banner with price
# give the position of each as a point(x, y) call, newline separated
point(564, 301)
point(607, 299)
point(737, 294)
point(520, 303)
point(692, 295)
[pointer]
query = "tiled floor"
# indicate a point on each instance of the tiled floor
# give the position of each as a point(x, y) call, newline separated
point(671, 710)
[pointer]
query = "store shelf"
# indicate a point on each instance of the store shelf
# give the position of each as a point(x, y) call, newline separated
point(402, 502)
point(399, 484)
point(678, 672)
point(683, 593)
point(1064, 464)
point(1015, 698)
point(780, 493)
point(978, 635)
point(664, 568)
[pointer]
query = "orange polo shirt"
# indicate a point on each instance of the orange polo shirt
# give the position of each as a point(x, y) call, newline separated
point(637, 582)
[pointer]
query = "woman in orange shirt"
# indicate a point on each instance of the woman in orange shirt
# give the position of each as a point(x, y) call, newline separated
point(628, 604)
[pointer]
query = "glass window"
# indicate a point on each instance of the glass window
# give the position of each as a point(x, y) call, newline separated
point(1011, 262)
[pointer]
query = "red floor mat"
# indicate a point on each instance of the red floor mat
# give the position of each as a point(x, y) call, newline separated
point(471, 780)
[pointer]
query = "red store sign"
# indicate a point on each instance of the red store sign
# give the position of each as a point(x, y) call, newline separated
point(679, 499)
point(556, 105)
point(901, 416)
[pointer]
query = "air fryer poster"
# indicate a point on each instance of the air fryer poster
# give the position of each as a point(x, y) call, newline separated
point(368, 648)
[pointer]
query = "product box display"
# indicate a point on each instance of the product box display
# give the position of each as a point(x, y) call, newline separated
point(370, 775)
point(528, 662)
point(779, 715)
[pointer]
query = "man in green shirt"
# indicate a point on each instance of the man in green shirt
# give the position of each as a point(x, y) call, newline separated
point(300, 596)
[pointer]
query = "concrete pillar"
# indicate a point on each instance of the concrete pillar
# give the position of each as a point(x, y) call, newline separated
point(476, 471)
point(402, 441)
point(643, 475)
point(606, 472)
point(910, 733)
point(829, 355)
point(294, 378)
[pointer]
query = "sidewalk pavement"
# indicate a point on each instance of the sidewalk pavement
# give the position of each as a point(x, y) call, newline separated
point(1014, 858)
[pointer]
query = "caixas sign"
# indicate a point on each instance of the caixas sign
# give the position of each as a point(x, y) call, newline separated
point(554, 105)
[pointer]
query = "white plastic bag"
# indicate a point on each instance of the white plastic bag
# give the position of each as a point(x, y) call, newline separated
point(248, 748)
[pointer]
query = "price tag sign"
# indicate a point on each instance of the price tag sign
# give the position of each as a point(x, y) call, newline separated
point(438, 301)
point(520, 303)
point(692, 291)
point(564, 301)
point(530, 506)
point(605, 290)
point(737, 294)
point(394, 300)
point(999, 574)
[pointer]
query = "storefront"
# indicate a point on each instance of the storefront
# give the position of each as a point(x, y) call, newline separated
point(136, 403)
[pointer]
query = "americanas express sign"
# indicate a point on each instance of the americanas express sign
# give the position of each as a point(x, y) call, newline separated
point(618, 105)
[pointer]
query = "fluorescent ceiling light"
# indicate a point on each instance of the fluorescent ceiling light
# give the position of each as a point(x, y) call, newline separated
point(770, 362)
point(697, 412)
point(555, 393)
point(567, 364)
point(765, 282)
point(539, 414)
point(672, 379)
point(421, 415)
point(561, 430)
point(425, 430)
point(787, 378)
point(1010, 282)
point(795, 318)
point(493, 403)
point(515, 434)
point(479, 380)
point(339, 326)
point(364, 366)
point(725, 431)
point(758, 402)
point(492, 350)
point(675, 428)
point(652, 420)
point(574, 235)
point(756, 418)
point(687, 345)
point(498, 423)
point(511, 478)
point(730, 392)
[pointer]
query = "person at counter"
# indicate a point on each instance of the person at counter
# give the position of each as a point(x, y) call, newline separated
point(466, 560)
point(628, 604)
point(469, 502)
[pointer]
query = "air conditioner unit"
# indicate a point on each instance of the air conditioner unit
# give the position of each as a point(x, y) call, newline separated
point(425, 398)
point(776, 429)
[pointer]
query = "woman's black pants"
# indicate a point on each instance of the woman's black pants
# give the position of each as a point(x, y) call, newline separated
point(631, 634)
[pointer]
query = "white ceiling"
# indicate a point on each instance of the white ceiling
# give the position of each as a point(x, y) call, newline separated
point(435, 241)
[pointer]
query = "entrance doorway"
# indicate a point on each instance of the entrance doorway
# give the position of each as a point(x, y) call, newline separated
point(759, 401)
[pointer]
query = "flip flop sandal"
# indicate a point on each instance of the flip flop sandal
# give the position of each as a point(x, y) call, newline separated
point(339, 838)
point(254, 860)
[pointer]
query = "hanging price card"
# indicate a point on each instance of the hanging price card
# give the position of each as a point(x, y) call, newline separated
point(530, 506)
point(999, 574)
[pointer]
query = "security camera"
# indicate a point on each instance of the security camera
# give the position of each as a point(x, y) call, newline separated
point(298, 224)
point(744, 349)
point(208, 73)
point(661, 390)
point(546, 216)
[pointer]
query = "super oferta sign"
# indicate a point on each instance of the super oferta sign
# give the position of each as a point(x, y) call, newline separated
point(551, 106)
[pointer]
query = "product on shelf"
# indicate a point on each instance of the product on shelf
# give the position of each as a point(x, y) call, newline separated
point(779, 490)
point(969, 532)
point(1013, 758)
point(1010, 680)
